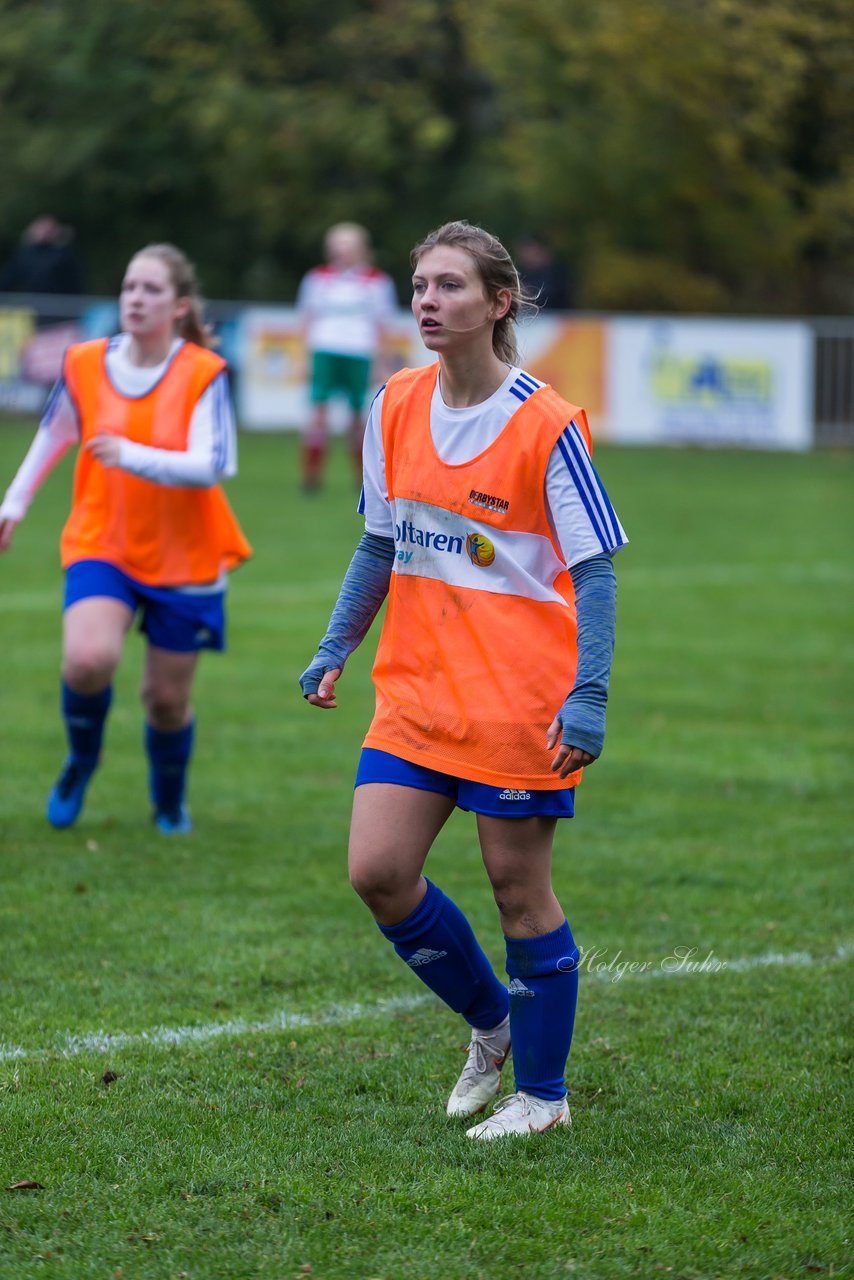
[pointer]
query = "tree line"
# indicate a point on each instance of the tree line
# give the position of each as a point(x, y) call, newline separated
point(691, 155)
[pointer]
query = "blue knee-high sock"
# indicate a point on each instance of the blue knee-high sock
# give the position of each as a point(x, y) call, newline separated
point(438, 944)
point(168, 758)
point(543, 976)
point(84, 715)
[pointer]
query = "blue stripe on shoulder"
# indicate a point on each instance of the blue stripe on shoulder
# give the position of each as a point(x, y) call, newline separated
point(49, 412)
point(520, 395)
point(619, 540)
point(216, 423)
point(527, 381)
point(379, 393)
point(213, 390)
point(574, 427)
point(583, 492)
point(226, 422)
point(586, 473)
point(594, 485)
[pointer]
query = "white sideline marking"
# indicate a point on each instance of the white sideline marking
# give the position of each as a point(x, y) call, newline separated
point(70, 1045)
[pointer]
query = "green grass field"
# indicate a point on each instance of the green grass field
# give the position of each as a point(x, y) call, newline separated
point(277, 1110)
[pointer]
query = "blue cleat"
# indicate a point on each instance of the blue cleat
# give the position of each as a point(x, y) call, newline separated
point(66, 799)
point(173, 822)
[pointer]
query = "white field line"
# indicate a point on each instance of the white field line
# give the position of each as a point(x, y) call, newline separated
point(595, 963)
point(704, 575)
point(71, 1045)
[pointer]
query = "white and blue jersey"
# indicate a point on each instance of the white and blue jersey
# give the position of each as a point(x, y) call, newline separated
point(582, 518)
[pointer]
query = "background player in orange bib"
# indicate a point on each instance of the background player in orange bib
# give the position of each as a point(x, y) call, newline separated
point(150, 531)
point(489, 530)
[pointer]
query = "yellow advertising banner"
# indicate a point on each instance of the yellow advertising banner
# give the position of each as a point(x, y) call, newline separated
point(17, 326)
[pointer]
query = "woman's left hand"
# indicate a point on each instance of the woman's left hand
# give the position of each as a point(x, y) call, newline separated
point(106, 449)
point(568, 758)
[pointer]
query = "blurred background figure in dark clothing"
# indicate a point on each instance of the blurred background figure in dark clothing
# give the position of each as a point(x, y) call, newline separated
point(45, 261)
point(545, 280)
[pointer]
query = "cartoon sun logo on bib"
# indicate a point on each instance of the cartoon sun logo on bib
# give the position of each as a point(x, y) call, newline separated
point(479, 550)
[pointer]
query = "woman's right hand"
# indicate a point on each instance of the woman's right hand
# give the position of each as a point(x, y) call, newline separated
point(325, 696)
point(7, 530)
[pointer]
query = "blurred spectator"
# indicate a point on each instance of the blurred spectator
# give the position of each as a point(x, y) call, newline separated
point(343, 306)
point(544, 279)
point(44, 262)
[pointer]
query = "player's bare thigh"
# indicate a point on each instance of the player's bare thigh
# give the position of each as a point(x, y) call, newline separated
point(93, 636)
point(391, 833)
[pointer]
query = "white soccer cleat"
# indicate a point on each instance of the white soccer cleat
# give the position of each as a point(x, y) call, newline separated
point(521, 1114)
point(481, 1076)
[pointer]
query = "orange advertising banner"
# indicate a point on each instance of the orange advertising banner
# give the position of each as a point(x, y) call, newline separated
point(570, 353)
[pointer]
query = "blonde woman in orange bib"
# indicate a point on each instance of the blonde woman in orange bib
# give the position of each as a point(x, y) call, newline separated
point(150, 534)
point(490, 532)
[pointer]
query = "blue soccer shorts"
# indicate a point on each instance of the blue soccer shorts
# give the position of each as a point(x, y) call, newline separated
point(473, 797)
point(180, 621)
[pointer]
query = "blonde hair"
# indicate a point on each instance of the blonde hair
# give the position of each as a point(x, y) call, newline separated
point(182, 273)
point(354, 229)
point(497, 272)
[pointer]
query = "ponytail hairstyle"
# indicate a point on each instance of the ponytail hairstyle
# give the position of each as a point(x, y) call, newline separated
point(497, 271)
point(182, 273)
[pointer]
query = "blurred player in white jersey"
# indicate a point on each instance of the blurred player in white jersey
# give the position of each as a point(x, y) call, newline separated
point(344, 305)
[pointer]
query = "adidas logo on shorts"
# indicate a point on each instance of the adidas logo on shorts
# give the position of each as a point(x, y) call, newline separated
point(424, 956)
point(509, 793)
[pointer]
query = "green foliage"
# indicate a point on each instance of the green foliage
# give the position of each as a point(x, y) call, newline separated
point(695, 149)
point(231, 130)
point(681, 156)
